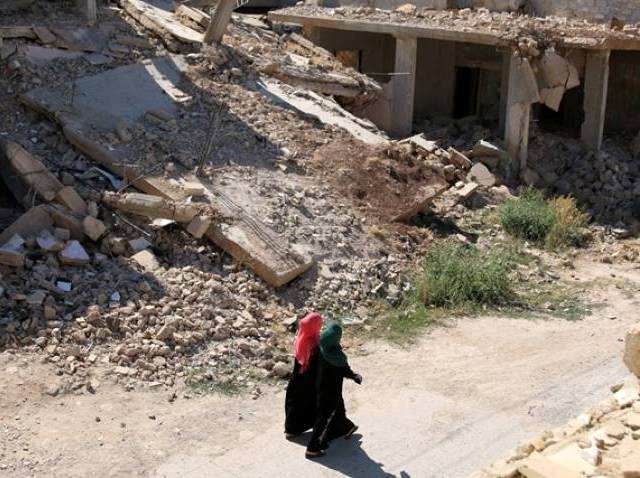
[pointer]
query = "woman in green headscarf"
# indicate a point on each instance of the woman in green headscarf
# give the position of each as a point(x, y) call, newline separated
point(331, 419)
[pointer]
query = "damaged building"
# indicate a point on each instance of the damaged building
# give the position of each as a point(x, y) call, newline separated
point(507, 71)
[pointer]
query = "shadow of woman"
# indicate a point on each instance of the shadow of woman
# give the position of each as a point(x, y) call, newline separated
point(348, 458)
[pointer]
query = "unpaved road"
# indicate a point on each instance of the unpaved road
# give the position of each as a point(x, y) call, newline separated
point(458, 399)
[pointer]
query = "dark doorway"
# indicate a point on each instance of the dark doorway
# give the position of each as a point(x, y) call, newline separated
point(569, 117)
point(466, 97)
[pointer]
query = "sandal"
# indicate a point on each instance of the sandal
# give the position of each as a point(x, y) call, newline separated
point(314, 454)
point(351, 432)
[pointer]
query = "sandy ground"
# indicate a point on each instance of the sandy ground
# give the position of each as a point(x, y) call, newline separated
point(458, 399)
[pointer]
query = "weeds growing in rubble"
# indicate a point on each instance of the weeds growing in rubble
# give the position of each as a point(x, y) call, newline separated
point(529, 217)
point(456, 275)
point(556, 223)
point(569, 227)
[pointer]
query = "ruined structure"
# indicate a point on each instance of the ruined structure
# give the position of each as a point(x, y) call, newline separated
point(496, 66)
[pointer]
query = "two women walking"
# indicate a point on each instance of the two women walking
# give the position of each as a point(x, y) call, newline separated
point(314, 394)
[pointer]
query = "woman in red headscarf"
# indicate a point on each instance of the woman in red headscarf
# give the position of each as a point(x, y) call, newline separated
point(300, 401)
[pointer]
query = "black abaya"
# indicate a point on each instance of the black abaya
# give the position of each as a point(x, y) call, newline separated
point(332, 421)
point(300, 400)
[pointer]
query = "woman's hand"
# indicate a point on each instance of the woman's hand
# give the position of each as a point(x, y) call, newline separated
point(357, 378)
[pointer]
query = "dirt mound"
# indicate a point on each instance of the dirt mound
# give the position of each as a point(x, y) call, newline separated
point(382, 182)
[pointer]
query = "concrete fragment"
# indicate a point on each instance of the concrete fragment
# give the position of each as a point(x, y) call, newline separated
point(538, 466)
point(632, 350)
point(467, 191)
point(571, 457)
point(93, 228)
point(192, 188)
point(459, 159)
point(68, 197)
point(629, 393)
point(480, 174)
point(65, 220)
point(139, 244)
point(147, 260)
point(420, 142)
point(48, 242)
point(11, 258)
point(633, 421)
point(199, 226)
point(555, 75)
point(74, 255)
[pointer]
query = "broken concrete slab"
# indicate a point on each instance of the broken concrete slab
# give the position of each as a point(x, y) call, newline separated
point(466, 191)
point(326, 110)
point(156, 207)
point(147, 260)
point(69, 197)
point(163, 23)
point(40, 56)
point(102, 100)
point(192, 188)
point(29, 224)
point(555, 75)
point(74, 255)
point(25, 176)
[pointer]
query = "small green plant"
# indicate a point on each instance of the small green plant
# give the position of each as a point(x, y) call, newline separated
point(529, 217)
point(457, 275)
point(204, 383)
point(569, 227)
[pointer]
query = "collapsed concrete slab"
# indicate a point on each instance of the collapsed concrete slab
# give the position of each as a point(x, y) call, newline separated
point(105, 100)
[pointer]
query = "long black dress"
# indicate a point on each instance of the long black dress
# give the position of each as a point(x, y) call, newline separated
point(332, 421)
point(300, 400)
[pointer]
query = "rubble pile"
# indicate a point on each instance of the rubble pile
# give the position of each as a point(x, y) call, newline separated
point(603, 441)
point(606, 183)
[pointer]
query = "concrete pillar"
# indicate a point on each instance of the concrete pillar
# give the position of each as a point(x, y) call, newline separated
point(402, 86)
point(504, 90)
point(89, 9)
point(522, 93)
point(596, 86)
point(219, 21)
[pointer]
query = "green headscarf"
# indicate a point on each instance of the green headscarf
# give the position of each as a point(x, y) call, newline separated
point(330, 346)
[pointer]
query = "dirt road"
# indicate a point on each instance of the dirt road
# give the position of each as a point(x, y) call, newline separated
point(458, 399)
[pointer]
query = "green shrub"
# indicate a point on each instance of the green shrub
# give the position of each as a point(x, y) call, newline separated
point(569, 227)
point(529, 217)
point(455, 275)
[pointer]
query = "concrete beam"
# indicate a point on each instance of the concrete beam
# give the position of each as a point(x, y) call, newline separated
point(219, 21)
point(402, 86)
point(522, 92)
point(596, 87)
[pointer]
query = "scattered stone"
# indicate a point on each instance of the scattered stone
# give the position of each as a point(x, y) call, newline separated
point(193, 188)
point(480, 174)
point(48, 242)
point(632, 350)
point(147, 260)
point(62, 234)
point(93, 228)
point(74, 255)
point(199, 226)
point(137, 245)
point(538, 466)
point(281, 369)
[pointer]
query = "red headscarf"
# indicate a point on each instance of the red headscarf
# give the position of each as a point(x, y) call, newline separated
point(307, 339)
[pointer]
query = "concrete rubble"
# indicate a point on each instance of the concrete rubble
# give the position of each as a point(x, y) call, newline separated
point(275, 198)
point(603, 441)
